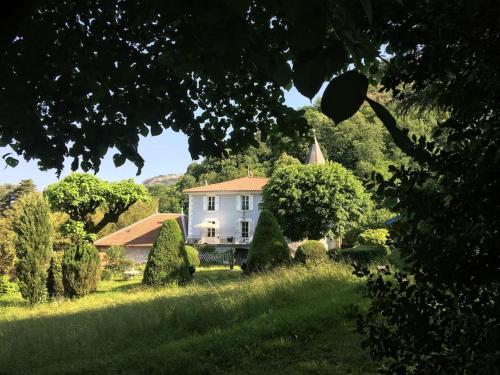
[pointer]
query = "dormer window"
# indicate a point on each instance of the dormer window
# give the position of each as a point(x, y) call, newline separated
point(211, 204)
point(245, 202)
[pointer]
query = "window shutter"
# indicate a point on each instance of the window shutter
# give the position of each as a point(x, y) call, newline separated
point(205, 203)
point(238, 202)
point(217, 202)
point(250, 202)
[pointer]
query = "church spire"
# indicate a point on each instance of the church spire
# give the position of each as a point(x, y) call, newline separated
point(315, 155)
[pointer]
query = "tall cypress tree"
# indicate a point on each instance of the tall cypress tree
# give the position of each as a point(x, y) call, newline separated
point(33, 244)
point(167, 261)
point(269, 248)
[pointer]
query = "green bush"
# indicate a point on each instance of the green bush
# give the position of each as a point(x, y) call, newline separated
point(55, 286)
point(33, 244)
point(205, 248)
point(311, 252)
point(193, 257)
point(80, 268)
point(269, 248)
point(117, 261)
point(7, 286)
point(374, 237)
point(168, 261)
point(106, 275)
point(363, 254)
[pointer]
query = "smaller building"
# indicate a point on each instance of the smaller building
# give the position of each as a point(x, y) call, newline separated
point(137, 239)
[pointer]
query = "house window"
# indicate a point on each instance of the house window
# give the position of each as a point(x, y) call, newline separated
point(245, 202)
point(244, 229)
point(211, 204)
point(211, 230)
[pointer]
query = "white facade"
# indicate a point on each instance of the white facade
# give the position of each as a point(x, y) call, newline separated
point(223, 218)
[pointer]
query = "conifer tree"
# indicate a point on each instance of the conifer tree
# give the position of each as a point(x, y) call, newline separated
point(269, 248)
point(168, 261)
point(80, 269)
point(33, 243)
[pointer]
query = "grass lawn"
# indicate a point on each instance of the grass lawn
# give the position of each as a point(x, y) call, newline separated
point(292, 321)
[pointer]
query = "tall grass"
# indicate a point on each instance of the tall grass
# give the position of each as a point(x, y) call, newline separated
point(225, 322)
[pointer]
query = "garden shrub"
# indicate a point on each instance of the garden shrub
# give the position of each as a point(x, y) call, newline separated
point(269, 248)
point(117, 261)
point(205, 248)
point(168, 261)
point(363, 254)
point(80, 267)
point(7, 286)
point(311, 252)
point(33, 244)
point(193, 256)
point(374, 237)
point(55, 286)
point(106, 275)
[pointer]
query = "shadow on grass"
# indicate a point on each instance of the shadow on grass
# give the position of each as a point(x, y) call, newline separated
point(109, 337)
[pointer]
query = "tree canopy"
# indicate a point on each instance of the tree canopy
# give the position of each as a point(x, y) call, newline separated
point(313, 201)
point(80, 195)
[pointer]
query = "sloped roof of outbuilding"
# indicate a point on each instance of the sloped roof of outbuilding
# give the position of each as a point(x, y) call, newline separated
point(140, 234)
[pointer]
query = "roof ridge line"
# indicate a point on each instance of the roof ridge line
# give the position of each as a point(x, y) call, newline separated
point(137, 222)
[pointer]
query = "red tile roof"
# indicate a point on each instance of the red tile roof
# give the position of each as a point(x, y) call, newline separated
point(140, 234)
point(239, 184)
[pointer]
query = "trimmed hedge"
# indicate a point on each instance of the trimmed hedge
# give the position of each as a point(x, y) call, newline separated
point(311, 252)
point(193, 256)
point(80, 269)
point(168, 261)
point(55, 286)
point(269, 248)
point(363, 254)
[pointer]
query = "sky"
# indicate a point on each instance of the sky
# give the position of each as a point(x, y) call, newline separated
point(164, 154)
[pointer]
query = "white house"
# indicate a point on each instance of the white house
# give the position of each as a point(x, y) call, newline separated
point(225, 213)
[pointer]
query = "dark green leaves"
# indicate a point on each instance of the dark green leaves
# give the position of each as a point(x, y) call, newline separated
point(311, 70)
point(11, 162)
point(344, 95)
point(399, 136)
point(119, 159)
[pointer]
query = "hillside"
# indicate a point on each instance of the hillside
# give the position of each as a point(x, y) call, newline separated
point(166, 179)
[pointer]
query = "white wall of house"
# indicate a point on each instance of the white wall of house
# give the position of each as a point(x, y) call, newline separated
point(227, 216)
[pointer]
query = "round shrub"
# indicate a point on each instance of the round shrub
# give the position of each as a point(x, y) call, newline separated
point(80, 268)
point(311, 252)
point(374, 237)
point(106, 274)
point(55, 286)
point(193, 256)
point(269, 248)
point(168, 261)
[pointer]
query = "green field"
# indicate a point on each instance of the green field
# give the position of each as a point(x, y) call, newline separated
point(292, 321)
